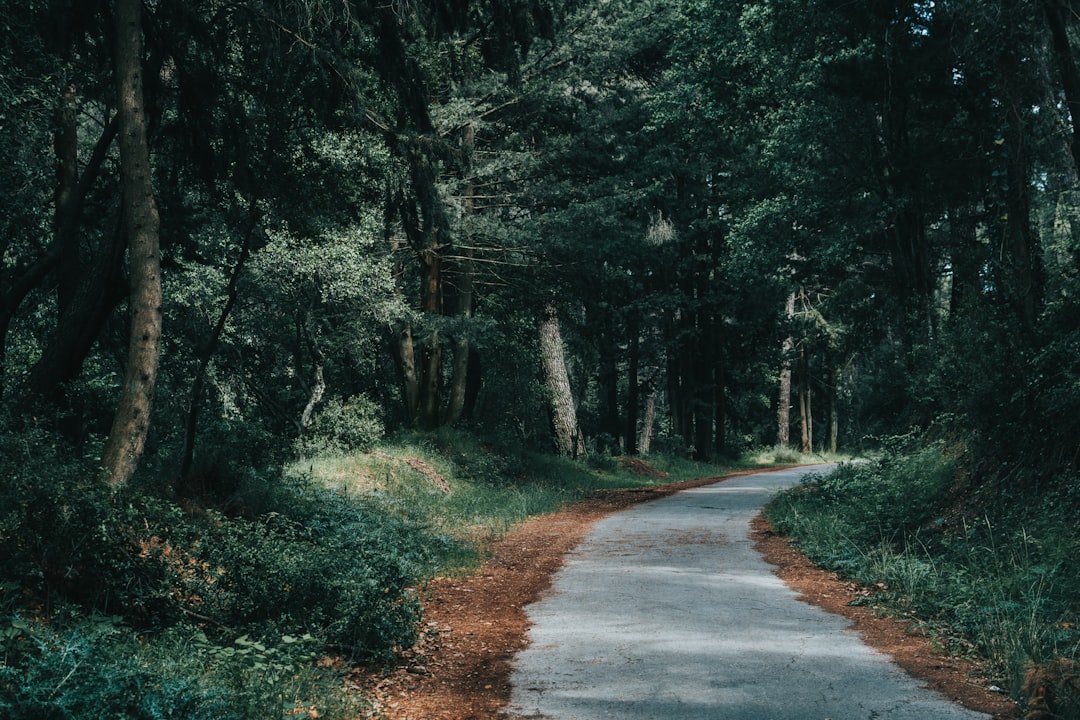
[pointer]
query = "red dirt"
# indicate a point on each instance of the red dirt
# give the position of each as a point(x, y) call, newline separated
point(460, 669)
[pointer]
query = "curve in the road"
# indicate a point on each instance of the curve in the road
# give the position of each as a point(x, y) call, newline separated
point(666, 612)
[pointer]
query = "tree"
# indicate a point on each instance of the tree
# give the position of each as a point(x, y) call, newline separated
point(568, 439)
point(131, 423)
point(783, 404)
point(75, 268)
point(425, 182)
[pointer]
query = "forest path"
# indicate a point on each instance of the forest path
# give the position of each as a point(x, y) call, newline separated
point(667, 611)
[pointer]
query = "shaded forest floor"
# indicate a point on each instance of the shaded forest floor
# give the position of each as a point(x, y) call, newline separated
point(474, 625)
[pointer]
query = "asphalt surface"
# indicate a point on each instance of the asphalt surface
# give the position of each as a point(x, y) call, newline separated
point(666, 612)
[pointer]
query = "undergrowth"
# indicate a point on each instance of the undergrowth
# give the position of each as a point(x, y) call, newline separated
point(1000, 584)
point(466, 493)
point(245, 594)
point(91, 667)
point(140, 603)
point(781, 455)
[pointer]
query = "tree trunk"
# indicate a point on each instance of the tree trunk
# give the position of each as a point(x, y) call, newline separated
point(687, 380)
point(101, 288)
point(676, 388)
point(1027, 285)
point(430, 367)
point(431, 383)
point(67, 204)
point(98, 284)
point(305, 338)
point(407, 359)
point(783, 405)
point(806, 417)
point(428, 230)
point(719, 395)
point(568, 440)
point(834, 410)
point(127, 438)
point(462, 353)
point(317, 392)
point(633, 390)
point(913, 271)
point(648, 421)
point(462, 289)
point(608, 375)
point(701, 363)
point(1056, 13)
point(71, 194)
point(16, 287)
point(474, 381)
point(404, 346)
point(966, 260)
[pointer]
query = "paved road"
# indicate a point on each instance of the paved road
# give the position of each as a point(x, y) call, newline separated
point(665, 612)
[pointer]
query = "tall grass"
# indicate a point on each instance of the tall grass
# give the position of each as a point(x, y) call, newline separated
point(1001, 585)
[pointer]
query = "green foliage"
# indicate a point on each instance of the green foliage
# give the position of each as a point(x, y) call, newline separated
point(97, 667)
point(130, 604)
point(63, 534)
point(291, 571)
point(460, 493)
point(321, 566)
point(342, 426)
point(468, 492)
point(790, 456)
point(321, 178)
point(880, 500)
point(295, 559)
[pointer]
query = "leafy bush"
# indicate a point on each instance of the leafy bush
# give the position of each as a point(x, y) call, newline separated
point(98, 668)
point(298, 560)
point(327, 569)
point(237, 445)
point(65, 535)
point(867, 502)
point(786, 456)
point(342, 426)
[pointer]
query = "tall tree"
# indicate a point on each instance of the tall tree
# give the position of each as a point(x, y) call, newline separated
point(127, 438)
point(783, 403)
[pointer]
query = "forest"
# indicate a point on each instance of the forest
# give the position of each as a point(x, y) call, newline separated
point(243, 240)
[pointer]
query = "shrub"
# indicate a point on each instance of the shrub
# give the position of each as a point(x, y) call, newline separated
point(868, 502)
point(65, 535)
point(98, 668)
point(301, 560)
point(342, 426)
point(336, 573)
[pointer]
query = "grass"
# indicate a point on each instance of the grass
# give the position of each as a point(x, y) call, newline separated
point(454, 486)
point(1000, 585)
point(791, 456)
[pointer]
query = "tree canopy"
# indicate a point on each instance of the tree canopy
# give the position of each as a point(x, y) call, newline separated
point(240, 234)
point(376, 206)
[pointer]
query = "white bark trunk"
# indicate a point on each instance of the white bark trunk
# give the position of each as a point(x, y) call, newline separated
point(568, 440)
